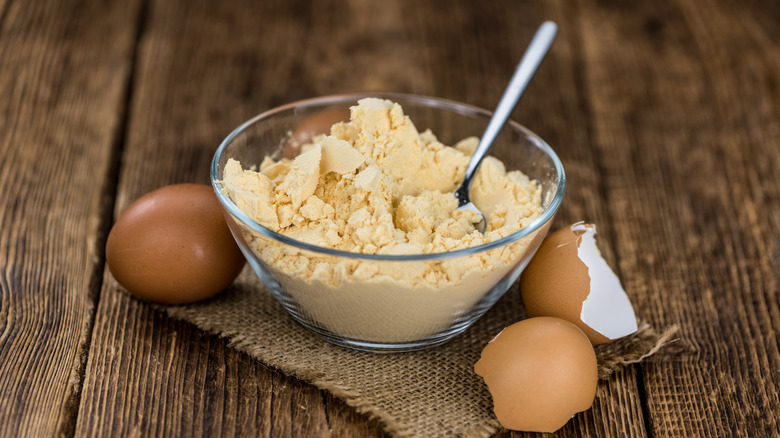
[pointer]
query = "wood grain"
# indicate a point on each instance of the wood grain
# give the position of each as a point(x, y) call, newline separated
point(684, 182)
point(63, 76)
point(665, 115)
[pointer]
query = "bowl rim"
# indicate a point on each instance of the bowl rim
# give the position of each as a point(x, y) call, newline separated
point(435, 102)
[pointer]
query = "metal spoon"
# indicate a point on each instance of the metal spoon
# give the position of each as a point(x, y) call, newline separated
point(532, 57)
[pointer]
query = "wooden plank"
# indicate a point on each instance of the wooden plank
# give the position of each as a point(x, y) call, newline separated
point(64, 69)
point(681, 96)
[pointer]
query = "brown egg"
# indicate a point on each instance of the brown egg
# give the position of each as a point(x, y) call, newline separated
point(312, 126)
point(540, 372)
point(173, 246)
point(568, 278)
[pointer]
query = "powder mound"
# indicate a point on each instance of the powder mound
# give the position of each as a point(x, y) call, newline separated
point(376, 185)
point(383, 188)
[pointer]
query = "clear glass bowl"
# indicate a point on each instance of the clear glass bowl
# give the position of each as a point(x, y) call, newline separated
point(388, 312)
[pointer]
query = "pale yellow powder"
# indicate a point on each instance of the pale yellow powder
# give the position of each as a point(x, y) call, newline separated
point(378, 186)
point(385, 188)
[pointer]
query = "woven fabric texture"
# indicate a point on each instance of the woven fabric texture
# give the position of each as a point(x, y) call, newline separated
point(433, 392)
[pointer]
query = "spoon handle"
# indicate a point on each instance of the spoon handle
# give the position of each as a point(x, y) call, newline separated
point(525, 70)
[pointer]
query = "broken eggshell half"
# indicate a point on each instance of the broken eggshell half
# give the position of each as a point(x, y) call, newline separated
point(540, 372)
point(569, 279)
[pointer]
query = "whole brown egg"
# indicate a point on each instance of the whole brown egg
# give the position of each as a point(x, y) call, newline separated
point(173, 246)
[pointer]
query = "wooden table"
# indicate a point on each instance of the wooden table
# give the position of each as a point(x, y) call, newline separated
point(666, 115)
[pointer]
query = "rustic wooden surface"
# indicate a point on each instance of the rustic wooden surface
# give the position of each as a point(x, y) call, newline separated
point(665, 114)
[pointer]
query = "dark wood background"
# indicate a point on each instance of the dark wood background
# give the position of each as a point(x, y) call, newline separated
point(665, 114)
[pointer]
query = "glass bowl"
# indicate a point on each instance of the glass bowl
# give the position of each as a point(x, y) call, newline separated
point(386, 311)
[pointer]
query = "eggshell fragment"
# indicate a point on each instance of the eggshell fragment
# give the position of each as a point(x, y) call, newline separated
point(568, 278)
point(540, 372)
point(173, 246)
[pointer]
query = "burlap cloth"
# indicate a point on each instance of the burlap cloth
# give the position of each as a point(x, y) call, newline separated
point(433, 392)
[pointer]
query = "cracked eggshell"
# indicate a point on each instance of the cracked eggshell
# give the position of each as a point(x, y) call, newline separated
point(540, 372)
point(568, 278)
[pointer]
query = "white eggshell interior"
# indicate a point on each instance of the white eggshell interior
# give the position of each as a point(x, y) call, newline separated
point(607, 308)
